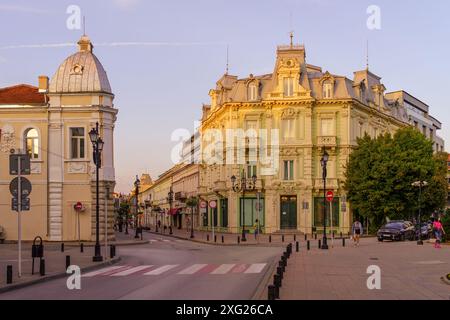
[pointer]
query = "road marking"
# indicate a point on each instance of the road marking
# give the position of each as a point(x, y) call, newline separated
point(239, 268)
point(256, 268)
point(429, 262)
point(130, 271)
point(161, 270)
point(223, 269)
point(167, 240)
point(193, 269)
point(101, 271)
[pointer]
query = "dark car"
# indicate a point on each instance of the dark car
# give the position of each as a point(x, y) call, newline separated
point(397, 231)
point(426, 230)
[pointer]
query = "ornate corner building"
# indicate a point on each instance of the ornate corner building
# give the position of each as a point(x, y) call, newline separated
point(311, 110)
point(51, 123)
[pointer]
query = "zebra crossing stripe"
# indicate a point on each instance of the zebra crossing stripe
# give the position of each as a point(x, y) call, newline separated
point(101, 271)
point(239, 268)
point(223, 269)
point(256, 268)
point(161, 270)
point(193, 269)
point(131, 271)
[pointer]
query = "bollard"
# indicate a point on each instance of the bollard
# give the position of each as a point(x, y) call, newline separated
point(223, 239)
point(67, 262)
point(277, 292)
point(277, 280)
point(42, 267)
point(341, 234)
point(308, 245)
point(239, 240)
point(62, 247)
point(297, 246)
point(320, 244)
point(295, 237)
point(207, 237)
point(215, 238)
point(82, 247)
point(111, 252)
point(282, 238)
point(315, 236)
point(343, 242)
point(9, 274)
point(271, 293)
point(281, 265)
point(270, 238)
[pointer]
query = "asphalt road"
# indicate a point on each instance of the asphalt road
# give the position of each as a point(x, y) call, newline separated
point(167, 269)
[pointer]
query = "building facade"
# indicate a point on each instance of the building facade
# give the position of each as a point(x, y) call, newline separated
point(311, 111)
point(51, 123)
point(448, 180)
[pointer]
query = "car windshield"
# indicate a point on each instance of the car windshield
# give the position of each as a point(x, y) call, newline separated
point(396, 225)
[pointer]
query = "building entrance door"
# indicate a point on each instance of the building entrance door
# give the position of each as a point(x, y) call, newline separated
point(288, 213)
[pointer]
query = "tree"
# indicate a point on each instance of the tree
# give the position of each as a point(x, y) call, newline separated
point(380, 173)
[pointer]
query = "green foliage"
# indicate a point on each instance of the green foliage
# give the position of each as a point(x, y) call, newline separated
point(124, 210)
point(192, 202)
point(381, 171)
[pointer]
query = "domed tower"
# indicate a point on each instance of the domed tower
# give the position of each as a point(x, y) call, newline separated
point(80, 96)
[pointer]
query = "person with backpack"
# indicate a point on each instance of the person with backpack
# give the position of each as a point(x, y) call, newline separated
point(357, 231)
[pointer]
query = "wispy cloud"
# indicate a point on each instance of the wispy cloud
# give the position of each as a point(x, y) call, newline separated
point(116, 44)
point(20, 8)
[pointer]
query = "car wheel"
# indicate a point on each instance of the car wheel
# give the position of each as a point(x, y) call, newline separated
point(380, 239)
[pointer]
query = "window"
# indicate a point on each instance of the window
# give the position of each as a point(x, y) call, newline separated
point(32, 143)
point(327, 90)
point(251, 214)
point(252, 92)
point(288, 128)
point(288, 87)
point(326, 127)
point(424, 130)
point(77, 150)
point(252, 171)
point(416, 124)
point(289, 170)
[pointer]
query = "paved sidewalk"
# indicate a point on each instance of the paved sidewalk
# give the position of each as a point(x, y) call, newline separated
point(408, 272)
point(55, 260)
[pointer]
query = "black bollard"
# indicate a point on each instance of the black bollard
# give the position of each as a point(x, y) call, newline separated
point(297, 246)
point(282, 238)
point(223, 239)
point(62, 247)
point(281, 265)
point(320, 244)
point(271, 293)
point(9, 274)
point(215, 238)
point(111, 252)
point(270, 239)
point(295, 237)
point(82, 247)
point(277, 280)
point(207, 237)
point(341, 234)
point(42, 267)
point(67, 262)
point(315, 236)
point(239, 240)
point(343, 242)
point(277, 292)
point(280, 272)
point(308, 245)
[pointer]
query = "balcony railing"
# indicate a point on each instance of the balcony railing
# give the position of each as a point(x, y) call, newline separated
point(327, 141)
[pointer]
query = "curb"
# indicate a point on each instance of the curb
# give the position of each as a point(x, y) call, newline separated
point(118, 244)
point(260, 289)
point(56, 276)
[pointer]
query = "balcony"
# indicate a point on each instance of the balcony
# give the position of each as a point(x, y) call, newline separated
point(327, 141)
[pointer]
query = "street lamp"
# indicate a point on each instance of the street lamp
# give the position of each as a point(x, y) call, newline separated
point(170, 199)
point(243, 185)
point(323, 162)
point(97, 144)
point(420, 185)
point(137, 183)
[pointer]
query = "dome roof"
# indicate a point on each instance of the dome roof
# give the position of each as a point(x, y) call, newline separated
point(81, 72)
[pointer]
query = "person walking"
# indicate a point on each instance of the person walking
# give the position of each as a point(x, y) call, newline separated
point(256, 226)
point(438, 230)
point(357, 230)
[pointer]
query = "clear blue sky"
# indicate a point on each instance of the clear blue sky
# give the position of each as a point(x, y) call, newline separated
point(161, 87)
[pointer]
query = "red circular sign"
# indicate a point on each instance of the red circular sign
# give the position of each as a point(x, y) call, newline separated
point(330, 196)
point(78, 206)
point(213, 204)
point(203, 205)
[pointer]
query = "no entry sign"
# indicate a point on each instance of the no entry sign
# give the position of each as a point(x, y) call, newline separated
point(330, 196)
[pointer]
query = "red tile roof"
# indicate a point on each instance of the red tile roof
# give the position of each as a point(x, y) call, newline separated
point(21, 94)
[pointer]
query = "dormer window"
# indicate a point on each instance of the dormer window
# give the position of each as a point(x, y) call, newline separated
point(252, 92)
point(288, 86)
point(327, 90)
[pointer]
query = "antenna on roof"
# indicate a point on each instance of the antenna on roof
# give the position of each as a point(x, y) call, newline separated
point(367, 56)
point(291, 33)
point(84, 25)
point(228, 60)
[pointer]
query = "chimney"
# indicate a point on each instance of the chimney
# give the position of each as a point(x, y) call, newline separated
point(43, 84)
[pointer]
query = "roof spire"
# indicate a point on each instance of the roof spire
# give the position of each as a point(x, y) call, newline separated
point(228, 61)
point(84, 25)
point(367, 56)
point(291, 34)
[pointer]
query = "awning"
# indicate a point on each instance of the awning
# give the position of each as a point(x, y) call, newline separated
point(174, 211)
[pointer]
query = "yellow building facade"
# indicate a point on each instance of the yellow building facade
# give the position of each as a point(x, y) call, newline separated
point(311, 111)
point(51, 123)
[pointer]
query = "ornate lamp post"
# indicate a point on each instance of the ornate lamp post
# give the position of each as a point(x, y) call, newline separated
point(324, 162)
point(243, 185)
point(420, 185)
point(170, 199)
point(97, 144)
point(137, 183)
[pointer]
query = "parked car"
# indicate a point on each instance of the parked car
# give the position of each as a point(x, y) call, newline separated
point(397, 231)
point(426, 230)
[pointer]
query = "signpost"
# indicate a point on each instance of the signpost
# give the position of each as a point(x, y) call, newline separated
point(258, 210)
point(78, 208)
point(20, 188)
point(330, 198)
point(213, 206)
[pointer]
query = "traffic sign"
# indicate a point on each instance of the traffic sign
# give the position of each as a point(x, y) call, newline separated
point(330, 196)
point(25, 204)
point(78, 206)
point(203, 205)
point(25, 164)
point(25, 186)
point(213, 204)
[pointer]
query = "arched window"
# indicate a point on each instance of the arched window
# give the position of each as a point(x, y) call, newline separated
point(252, 92)
point(32, 143)
point(327, 90)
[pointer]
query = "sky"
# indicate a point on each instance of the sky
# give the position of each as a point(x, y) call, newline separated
point(171, 54)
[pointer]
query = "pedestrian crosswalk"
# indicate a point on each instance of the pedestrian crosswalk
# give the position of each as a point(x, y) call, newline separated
point(164, 240)
point(194, 269)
